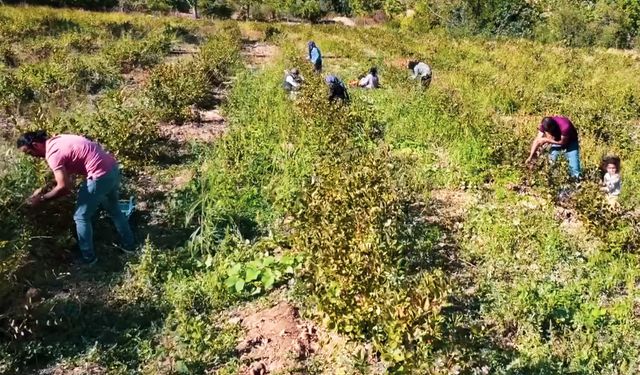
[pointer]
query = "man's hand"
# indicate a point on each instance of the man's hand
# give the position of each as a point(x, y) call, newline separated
point(34, 200)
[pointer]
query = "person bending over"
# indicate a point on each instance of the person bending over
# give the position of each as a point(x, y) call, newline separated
point(561, 135)
point(71, 155)
point(421, 70)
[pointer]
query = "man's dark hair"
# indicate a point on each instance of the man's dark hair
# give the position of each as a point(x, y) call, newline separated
point(373, 71)
point(549, 125)
point(412, 64)
point(29, 138)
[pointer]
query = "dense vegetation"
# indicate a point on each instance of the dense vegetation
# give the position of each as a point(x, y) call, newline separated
point(607, 23)
point(406, 220)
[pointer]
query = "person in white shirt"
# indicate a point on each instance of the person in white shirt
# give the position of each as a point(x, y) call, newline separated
point(292, 80)
point(611, 183)
point(421, 70)
point(371, 80)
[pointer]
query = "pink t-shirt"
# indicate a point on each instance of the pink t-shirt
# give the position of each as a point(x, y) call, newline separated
point(78, 155)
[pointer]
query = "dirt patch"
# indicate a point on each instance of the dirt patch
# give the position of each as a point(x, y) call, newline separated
point(451, 204)
point(182, 51)
point(86, 369)
point(7, 129)
point(276, 340)
point(344, 21)
point(210, 126)
point(136, 78)
point(259, 53)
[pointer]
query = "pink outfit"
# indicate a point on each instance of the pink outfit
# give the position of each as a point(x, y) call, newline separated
point(79, 156)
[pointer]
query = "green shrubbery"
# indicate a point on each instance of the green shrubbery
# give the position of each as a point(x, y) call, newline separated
point(368, 255)
point(174, 88)
point(17, 176)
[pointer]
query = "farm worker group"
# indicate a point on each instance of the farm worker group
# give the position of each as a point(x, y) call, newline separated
point(337, 89)
point(557, 133)
point(72, 155)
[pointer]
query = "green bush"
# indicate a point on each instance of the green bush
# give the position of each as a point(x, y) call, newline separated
point(366, 255)
point(131, 53)
point(174, 88)
point(220, 55)
point(18, 179)
point(125, 127)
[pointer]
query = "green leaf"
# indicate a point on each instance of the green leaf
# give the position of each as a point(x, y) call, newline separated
point(209, 261)
point(287, 260)
point(240, 286)
point(267, 261)
point(235, 269)
point(251, 274)
point(268, 279)
point(231, 281)
point(181, 368)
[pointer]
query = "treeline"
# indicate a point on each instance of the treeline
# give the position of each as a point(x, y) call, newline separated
point(577, 23)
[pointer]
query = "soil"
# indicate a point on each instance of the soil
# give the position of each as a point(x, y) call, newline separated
point(86, 369)
point(258, 53)
point(451, 204)
point(276, 340)
point(344, 20)
point(211, 125)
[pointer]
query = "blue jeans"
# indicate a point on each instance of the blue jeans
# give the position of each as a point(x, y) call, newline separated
point(93, 193)
point(572, 153)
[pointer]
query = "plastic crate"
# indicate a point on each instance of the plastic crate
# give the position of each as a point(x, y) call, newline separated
point(127, 206)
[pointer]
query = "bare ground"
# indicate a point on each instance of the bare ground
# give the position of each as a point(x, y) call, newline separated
point(278, 341)
point(258, 53)
point(210, 126)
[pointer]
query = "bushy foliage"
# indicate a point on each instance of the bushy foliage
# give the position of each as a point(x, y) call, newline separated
point(125, 127)
point(131, 53)
point(360, 231)
point(174, 88)
point(17, 176)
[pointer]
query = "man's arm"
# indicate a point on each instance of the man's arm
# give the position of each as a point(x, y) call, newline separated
point(415, 74)
point(63, 187)
point(535, 145)
point(561, 142)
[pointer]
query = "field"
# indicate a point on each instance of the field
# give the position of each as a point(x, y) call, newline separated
point(399, 234)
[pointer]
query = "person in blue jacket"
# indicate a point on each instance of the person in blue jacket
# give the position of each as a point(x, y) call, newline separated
point(315, 56)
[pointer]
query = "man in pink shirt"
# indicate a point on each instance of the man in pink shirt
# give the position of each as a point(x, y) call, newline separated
point(68, 155)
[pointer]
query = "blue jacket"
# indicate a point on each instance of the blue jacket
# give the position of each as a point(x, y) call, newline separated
point(315, 55)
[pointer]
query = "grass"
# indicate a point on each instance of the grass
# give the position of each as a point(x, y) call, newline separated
point(508, 286)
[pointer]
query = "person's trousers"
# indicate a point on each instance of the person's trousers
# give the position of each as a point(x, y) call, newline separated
point(102, 191)
point(572, 153)
point(426, 81)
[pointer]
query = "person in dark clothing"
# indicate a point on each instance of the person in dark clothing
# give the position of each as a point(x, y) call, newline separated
point(337, 89)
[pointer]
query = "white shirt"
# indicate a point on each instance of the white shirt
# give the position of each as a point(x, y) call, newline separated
point(421, 70)
point(369, 82)
point(613, 183)
point(290, 80)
